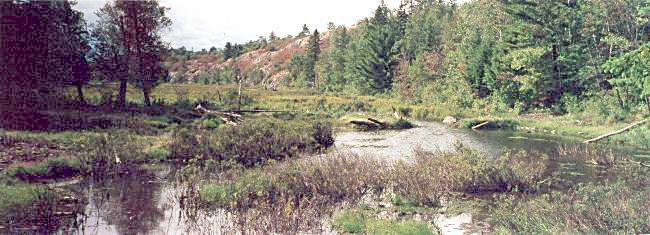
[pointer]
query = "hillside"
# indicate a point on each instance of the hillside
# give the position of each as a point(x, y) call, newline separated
point(269, 63)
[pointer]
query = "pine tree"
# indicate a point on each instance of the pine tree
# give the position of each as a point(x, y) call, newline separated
point(228, 51)
point(313, 52)
point(305, 31)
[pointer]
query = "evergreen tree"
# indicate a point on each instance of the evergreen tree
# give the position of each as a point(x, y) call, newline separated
point(370, 63)
point(228, 51)
point(313, 52)
point(305, 31)
point(332, 63)
point(273, 37)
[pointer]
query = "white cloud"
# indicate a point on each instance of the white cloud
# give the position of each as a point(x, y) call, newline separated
point(205, 23)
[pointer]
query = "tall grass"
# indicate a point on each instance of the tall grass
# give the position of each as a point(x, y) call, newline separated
point(318, 185)
point(614, 207)
point(253, 143)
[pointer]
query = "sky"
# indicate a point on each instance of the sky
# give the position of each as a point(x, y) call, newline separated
point(198, 24)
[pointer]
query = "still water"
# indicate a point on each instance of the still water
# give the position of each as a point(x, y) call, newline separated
point(152, 201)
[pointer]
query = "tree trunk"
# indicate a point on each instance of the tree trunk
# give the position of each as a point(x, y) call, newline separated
point(620, 100)
point(121, 97)
point(147, 100)
point(239, 101)
point(647, 102)
point(80, 94)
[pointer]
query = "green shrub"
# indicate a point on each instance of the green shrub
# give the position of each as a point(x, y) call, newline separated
point(402, 124)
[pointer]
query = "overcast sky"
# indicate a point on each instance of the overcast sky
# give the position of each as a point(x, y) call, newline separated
point(201, 24)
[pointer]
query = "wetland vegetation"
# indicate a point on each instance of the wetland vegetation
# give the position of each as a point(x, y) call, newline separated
point(342, 136)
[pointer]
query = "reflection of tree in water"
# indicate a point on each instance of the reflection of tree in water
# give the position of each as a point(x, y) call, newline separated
point(129, 203)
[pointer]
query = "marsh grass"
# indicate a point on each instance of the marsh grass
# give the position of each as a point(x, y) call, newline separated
point(252, 143)
point(359, 222)
point(465, 171)
point(322, 184)
point(50, 169)
point(612, 207)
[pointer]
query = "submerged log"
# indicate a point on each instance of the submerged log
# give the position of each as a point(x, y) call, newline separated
point(370, 123)
point(616, 132)
point(366, 124)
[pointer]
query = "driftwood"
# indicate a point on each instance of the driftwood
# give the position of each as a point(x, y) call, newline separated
point(366, 124)
point(258, 111)
point(480, 125)
point(616, 132)
point(227, 117)
point(371, 123)
point(382, 124)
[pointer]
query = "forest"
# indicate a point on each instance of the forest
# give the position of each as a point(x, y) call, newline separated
point(434, 117)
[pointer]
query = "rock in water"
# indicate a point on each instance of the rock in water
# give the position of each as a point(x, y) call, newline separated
point(449, 120)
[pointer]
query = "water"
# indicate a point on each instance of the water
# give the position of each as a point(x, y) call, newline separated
point(152, 202)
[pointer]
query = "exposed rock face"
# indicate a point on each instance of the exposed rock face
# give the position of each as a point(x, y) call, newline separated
point(450, 120)
point(272, 60)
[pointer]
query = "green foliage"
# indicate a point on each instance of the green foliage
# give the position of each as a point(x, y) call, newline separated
point(252, 144)
point(632, 76)
point(358, 222)
point(53, 168)
point(16, 198)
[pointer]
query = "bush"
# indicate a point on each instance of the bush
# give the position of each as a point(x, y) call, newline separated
point(402, 124)
point(323, 135)
point(115, 152)
point(253, 143)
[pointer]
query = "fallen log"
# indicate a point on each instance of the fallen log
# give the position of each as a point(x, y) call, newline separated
point(382, 124)
point(228, 118)
point(259, 111)
point(616, 132)
point(366, 124)
point(480, 125)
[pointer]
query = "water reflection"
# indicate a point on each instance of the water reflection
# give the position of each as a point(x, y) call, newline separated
point(154, 201)
point(122, 205)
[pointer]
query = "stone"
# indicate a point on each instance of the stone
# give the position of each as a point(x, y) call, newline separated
point(449, 120)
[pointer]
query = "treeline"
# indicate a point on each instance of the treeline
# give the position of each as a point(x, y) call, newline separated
point(47, 46)
point(519, 53)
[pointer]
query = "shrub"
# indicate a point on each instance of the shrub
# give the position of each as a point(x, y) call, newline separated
point(323, 135)
point(252, 143)
point(111, 153)
point(402, 124)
